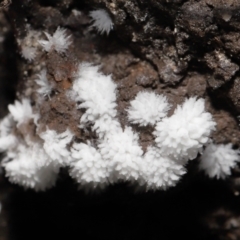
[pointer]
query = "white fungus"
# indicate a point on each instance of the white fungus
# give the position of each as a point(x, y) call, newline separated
point(27, 166)
point(29, 53)
point(147, 108)
point(218, 159)
point(45, 87)
point(6, 125)
point(95, 91)
point(34, 160)
point(56, 145)
point(25, 173)
point(29, 44)
point(87, 166)
point(160, 171)
point(123, 153)
point(183, 135)
point(21, 111)
point(59, 41)
point(101, 21)
point(7, 139)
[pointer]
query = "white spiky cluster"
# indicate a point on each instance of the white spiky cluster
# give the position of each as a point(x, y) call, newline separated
point(101, 100)
point(21, 111)
point(116, 154)
point(101, 21)
point(161, 171)
point(45, 87)
point(58, 41)
point(123, 153)
point(183, 135)
point(7, 140)
point(29, 53)
point(97, 94)
point(148, 108)
point(27, 166)
point(88, 166)
point(29, 45)
point(28, 161)
point(119, 148)
point(56, 145)
point(218, 159)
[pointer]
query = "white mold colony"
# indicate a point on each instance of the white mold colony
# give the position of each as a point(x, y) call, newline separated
point(34, 161)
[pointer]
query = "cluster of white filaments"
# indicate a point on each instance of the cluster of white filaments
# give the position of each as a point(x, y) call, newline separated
point(59, 41)
point(117, 155)
point(101, 21)
point(218, 160)
point(33, 158)
point(119, 149)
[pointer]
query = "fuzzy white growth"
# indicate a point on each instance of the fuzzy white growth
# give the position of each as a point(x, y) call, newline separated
point(25, 173)
point(105, 125)
point(59, 41)
point(26, 163)
point(21, 111)
point(31, 150)
point(148, 108)
point(29, 45)
point(218, 159)
point(183, 135)
point(37, 157)
point(7, 139)
point(96, 92)
point(6, 125)
point(22, 167)
point(160, 172)
point(101, 21)
point(29, 53)
point(45, 87)
point(123, 153)
point(88, 167)
point(56, 145)
point(7, 142)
